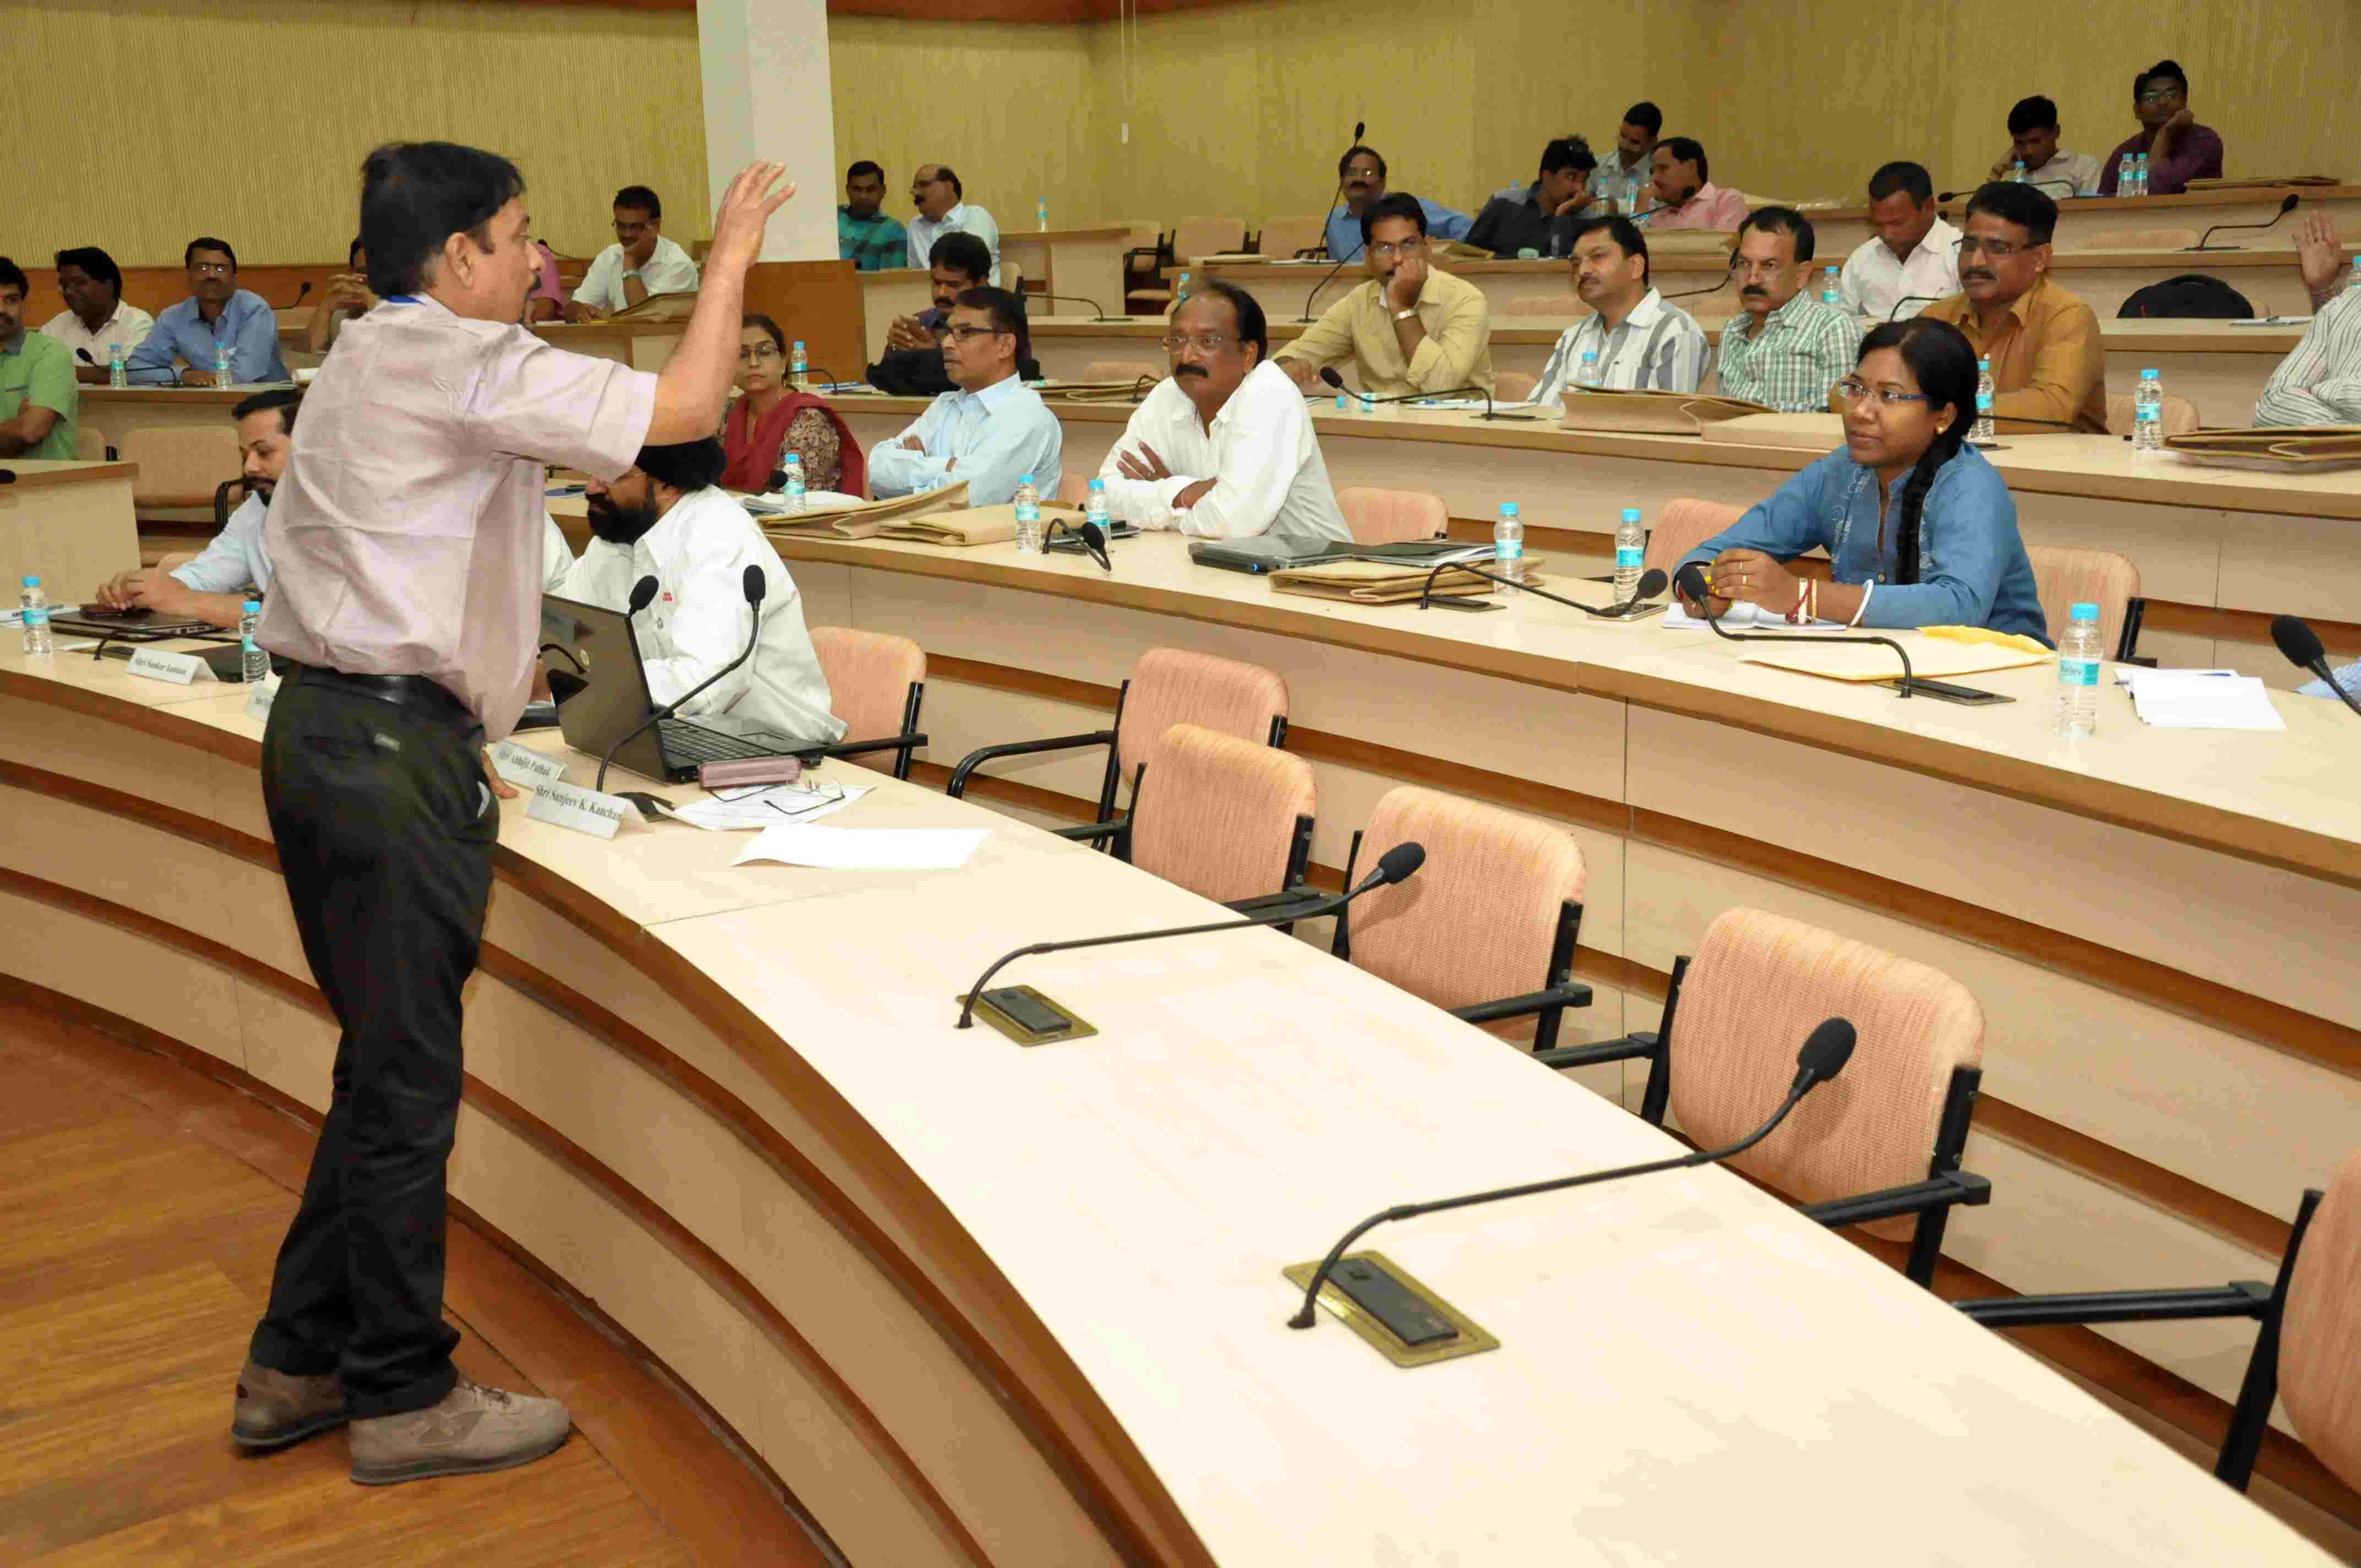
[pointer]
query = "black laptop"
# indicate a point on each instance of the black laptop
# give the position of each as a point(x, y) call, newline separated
point(601, 687)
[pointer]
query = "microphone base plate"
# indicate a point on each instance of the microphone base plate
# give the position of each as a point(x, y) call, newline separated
point(1380, 1301)
point(1014, 1009)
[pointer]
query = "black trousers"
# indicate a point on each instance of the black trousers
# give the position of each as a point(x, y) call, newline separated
point(385, 833)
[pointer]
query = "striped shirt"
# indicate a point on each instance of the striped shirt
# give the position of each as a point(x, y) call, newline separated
point(1804, 348)
point(1658, 348)
point(2320, 381)
point(871, 243)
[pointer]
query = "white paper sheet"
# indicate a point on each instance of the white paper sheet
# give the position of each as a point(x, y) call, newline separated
point(765, 807)
point(1742, 616)
point(2203, 699)
point(865, 848)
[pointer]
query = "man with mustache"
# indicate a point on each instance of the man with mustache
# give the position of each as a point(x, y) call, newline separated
point(1361, 173)
point(1914, 258)
point(2048, 369)
point(1639, 340)
point(666, 518)
point(1784, 348)
point(1686, 195)
point(1223, 449)
point(943, 208)
point(217, 313)
point(1541, 216)
point(95, 320)
point(1627, 167)
point(1409, 328)
point(991, 429)
point(865, 236)
point(959, 262)
point(39, 399)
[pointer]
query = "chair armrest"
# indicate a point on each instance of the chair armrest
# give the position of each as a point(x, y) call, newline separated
point(2239, 1299)
point(1953, 1187)
point(1091, 832)
point(856, 748)
point(1307, 900)
point(1624, 1050)
point(1574, 993)
point(969, 763)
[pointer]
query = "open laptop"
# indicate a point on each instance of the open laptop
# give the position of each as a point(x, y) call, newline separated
point(602, 694)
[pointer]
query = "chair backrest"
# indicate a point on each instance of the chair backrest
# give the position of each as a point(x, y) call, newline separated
point(179, 465)
point(1513, 386)
point(90, 444)
point(1282, 238)
point(1480, 919)
point(1122, 371)
point(1757, 987)
point(2319, 1334)
point(869, 675)
point(2137, 239)
point(1012, 277)
point(1565, 307)
point(1680, 527)
point(2179, 414)
point(2065, 577)
point(1391, 517)
point(1217, 815)
point(1174, 687)
point(1192, 237)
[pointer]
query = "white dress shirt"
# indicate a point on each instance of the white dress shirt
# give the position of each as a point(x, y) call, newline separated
point(924, 231)
point(129, 327)
point(236, 557)
point(1873, 283)
point(1261, 453)
point(2077, 169)
point(990, 439)
point(1658, 348)
point(669, 271)
point(699, 552)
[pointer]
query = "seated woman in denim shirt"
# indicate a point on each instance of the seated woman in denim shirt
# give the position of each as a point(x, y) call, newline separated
point(1921, 530)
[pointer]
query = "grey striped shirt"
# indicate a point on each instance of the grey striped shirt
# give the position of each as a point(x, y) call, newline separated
point(2320, 381)
point(1658, 348)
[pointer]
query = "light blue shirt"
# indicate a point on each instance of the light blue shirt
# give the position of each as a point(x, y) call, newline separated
point(234, 558)
point(247, 324)
point(1344, 229)
point(990, 439)
point(2349, 677)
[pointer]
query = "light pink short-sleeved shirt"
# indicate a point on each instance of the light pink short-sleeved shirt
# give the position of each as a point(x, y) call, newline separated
point(406, 536)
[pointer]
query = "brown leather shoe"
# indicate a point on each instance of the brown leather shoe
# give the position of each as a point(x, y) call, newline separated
point(275, 1409)
point(472, 1428)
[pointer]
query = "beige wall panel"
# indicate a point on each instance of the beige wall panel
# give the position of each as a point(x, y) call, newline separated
point(2255, 553)
point(233, 797)
point(2177, 550)
point(63, 742)
point(2224, 919)
point(186, 998)
point(960, 719)
point(288, 1046)
point(125, 862)
point(827, 592)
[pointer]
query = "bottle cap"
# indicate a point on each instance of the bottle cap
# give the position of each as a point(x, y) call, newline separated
point(799, 343)
point(1631, 514)
point(1507, 509)
point(32, 582)
point(251, 606)
point(1024, 478)
point(2085, 611)
point(2147, 375)
point(1097, 483)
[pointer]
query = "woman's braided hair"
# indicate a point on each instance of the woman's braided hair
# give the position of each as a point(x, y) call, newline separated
point(1944, 364)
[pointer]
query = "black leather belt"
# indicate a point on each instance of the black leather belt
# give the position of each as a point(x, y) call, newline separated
point(426, 697)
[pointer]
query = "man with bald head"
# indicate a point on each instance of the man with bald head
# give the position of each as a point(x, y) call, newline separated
point(942, 208)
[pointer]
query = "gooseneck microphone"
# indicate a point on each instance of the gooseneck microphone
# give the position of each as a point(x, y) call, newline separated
point(83, 355)
point(1397, 864)
point(1823, 1057)
point(1360, 127)
point(2290, 206)
point(1690, 579)
point(2301, 645)
point(302, 294)
point(1652, 582)
point(1490, 412)
point(1082, 300)
point(1728, 273)
point(1325, 280)
point(643, 593)
point(1911, 300)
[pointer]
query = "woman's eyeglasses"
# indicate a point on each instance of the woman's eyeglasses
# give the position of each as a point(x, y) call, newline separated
point(1853, 390)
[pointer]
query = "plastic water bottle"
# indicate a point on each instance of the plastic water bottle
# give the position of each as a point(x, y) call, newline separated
point(1631, 547)
point(253, 663)
point(117, 374)
point(1041, 215)
point(1180, 290)
point(1983, 429)
point(2353, 278)
point(1829, 295)
point(1587, 376)
point(793, 466)
point(2017, 172)
point(2124, 177)
point(2077, 709)
point(798, 365)
point(1028, 517)
point(2139, 174)
point(33, 606)
point(2147, 413)
point(220, 364)
point(1508, 548)
point(1095, 503)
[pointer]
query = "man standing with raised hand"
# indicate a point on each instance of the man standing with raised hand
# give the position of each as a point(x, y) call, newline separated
point(406, 536)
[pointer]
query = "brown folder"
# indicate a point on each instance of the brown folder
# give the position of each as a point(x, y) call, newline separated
point(1611, 412)
point(1387, 582)
point(2273, 449)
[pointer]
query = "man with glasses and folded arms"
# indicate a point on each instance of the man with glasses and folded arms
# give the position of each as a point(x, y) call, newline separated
point(2177, 148)
point(217, 313)
point(2048, 366)
point(640, 262)
point(1411, 328)
point(406, 542)
point(992, 429)
point(1223, 448)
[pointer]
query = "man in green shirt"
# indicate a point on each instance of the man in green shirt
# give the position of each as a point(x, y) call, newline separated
point(864, 234)
point(38, 401)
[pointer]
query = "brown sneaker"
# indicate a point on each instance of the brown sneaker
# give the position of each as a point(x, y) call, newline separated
point(275, 1409)
point(473, 1428)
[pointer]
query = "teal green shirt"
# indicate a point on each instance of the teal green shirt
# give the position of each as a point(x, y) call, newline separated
point(40, 370)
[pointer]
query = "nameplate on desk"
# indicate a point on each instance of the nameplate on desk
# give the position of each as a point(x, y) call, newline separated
point(260, 695)
point(570, 805)
point(523, 765)
point(178, 668)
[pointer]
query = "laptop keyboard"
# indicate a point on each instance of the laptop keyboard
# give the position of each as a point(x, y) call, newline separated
point(685, 743)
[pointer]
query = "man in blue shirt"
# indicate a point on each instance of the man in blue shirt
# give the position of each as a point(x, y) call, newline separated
point(993, 430)
point(217, 315)
point(1362, 173)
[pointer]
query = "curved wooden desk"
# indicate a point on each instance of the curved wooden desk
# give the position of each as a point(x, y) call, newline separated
point(979, 1304)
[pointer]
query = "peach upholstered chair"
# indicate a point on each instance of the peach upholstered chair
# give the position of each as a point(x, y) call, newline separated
point(875, 682)
point(1680, 527)
point(1228, 820)
point(1391, 517)
point(2065, 577)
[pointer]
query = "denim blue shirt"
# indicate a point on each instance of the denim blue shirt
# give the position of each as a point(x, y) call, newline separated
point(1344, 229)
point(1972, 568)
point(247, 324)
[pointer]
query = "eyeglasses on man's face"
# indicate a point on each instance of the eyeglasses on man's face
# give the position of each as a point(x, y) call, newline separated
point(1386, 250)
point(2161, 95)
point(210, 269)
point(1998, 250)
point(1853, 390)
point(970, 334)
point(627, 231)
point(1203, 342)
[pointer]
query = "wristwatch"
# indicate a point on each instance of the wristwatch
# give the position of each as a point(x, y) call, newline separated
point(1405, 315)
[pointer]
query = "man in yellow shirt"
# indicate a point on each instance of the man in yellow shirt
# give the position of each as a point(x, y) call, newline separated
point(1411, 328)
point(2048, 368)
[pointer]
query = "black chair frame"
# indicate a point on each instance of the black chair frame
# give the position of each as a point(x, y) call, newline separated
point(901, 745)
point(957, 787)
point(1945, 1186)
point(1559, 990)
point(2127, 643)
point(2239, 1299)
point(1294, 893)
